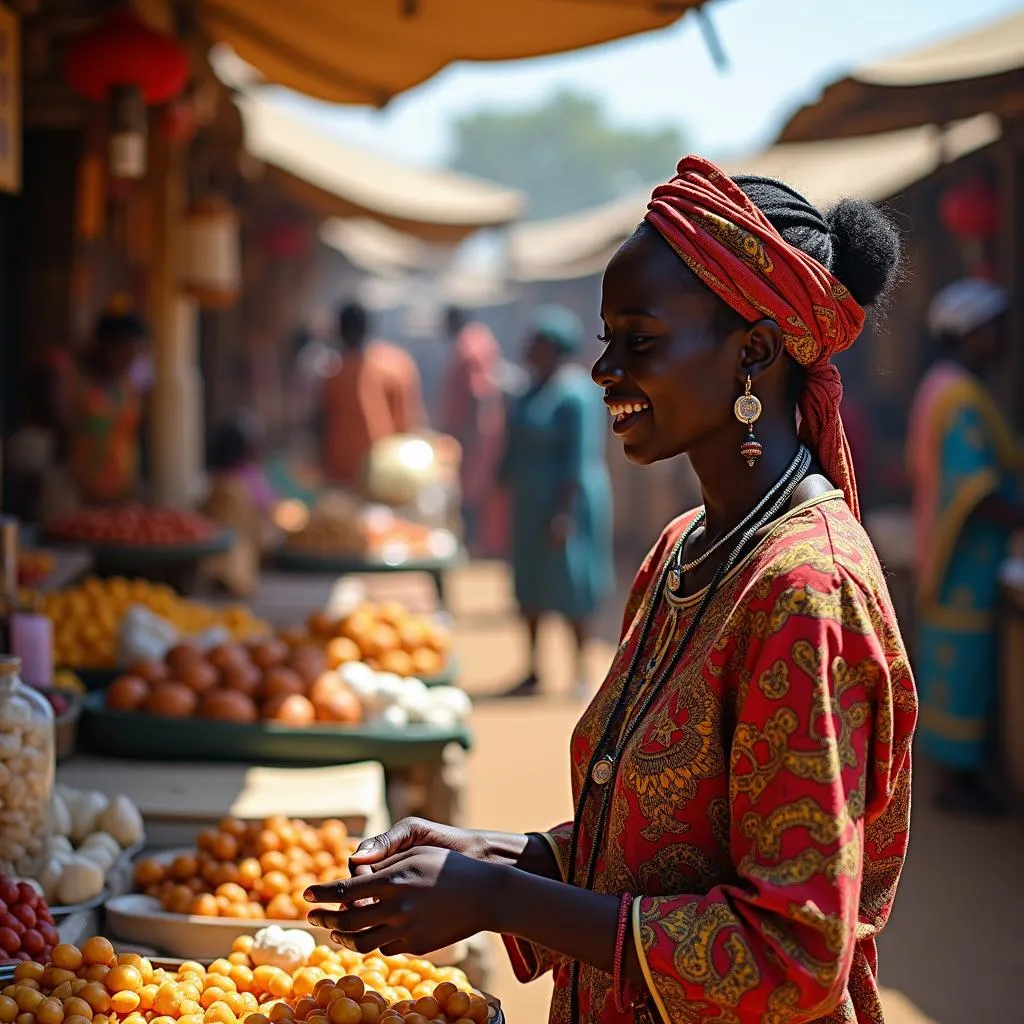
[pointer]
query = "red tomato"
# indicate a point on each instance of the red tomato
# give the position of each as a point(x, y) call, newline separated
point(25, 914)
point(9, 941)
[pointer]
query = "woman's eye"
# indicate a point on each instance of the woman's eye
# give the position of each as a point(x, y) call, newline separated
point(640, 342)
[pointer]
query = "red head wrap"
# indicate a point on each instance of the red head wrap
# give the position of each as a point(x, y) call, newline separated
point(734, 250)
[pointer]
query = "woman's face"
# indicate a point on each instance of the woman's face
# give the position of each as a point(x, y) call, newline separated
point(669, 380)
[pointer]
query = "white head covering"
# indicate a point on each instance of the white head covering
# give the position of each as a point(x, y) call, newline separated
point(964, 306)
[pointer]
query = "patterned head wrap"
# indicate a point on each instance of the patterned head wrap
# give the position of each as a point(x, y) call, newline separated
point(735, 251)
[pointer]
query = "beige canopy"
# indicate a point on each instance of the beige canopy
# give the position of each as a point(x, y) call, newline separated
point(967, 74)
point(337, 180)
point(367, 51)
point(875, 167)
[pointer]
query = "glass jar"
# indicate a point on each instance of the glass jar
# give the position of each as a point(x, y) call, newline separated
point(27, 769)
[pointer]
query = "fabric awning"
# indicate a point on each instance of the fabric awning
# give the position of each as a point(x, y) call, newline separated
point(337, 180)
point(967, 74)
point(876, 167)
point(367, 52)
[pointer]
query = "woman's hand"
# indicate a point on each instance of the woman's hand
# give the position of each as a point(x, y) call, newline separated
point(412, 832)
point(423, 899)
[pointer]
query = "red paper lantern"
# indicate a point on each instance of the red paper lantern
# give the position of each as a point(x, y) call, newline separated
point(970, 209)
point(123, 50)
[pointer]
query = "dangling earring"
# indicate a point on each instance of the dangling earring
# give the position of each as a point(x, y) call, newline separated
point(747, 410)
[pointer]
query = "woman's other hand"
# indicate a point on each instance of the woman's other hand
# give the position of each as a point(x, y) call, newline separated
point(417, 901)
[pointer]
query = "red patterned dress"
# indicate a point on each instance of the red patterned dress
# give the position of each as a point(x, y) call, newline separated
point(760, 814)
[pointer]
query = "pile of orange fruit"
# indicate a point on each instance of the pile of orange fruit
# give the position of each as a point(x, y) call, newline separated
point(387, 637)
point(93, 985)
point(86, 618)
point(257, 871)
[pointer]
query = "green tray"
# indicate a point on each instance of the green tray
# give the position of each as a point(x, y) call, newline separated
point(347, 565)
point(156, 738)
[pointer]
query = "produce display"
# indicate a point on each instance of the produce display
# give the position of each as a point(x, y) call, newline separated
point(87, 618)
point(133, 525)
point(34, 567)
point(90, 834)
point(386, 637)
point(339, 525)
point(26, 926)
point(93, 985)
point(254, 871)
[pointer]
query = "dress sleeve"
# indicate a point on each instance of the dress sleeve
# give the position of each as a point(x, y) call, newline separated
point(530, 961)
point(812, 744)
point(570, 426)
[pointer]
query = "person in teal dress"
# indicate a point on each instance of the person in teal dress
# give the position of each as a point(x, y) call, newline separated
point(965, 465)
point(555, 469)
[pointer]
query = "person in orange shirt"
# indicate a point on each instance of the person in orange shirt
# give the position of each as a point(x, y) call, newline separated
point(375, 392)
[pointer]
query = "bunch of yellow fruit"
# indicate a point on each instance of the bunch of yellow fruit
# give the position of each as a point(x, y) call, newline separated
point(86, 617)
point(93, 985)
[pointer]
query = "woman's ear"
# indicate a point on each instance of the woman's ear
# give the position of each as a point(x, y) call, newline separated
point(760, 349)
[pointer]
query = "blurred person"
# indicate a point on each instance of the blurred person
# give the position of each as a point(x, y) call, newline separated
point(473, 412)
point(742, 780)
point(374, 392)
point(555, 469)
point(965, 465)
point(242, 499)
point(97, 408)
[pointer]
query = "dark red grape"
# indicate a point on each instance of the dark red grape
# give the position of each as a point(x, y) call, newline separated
point(49, 933)
point(32, 942)
point(9, 891)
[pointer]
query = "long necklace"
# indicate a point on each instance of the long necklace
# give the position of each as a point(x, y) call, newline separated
point(676, 574)
point(604, 762)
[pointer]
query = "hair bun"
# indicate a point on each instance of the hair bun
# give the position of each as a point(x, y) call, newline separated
point(866, 250)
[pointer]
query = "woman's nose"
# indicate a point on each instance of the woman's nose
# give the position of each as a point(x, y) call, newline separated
point(604, 372)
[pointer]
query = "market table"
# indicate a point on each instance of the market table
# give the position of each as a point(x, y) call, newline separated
point(347, 565)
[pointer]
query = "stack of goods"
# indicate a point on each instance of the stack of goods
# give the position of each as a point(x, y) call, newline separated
point(387, 637)
point(88, 618)
point(90, 835)
point(132, 526)
point(340, 526)
point(27, 929)
point(257, 984)
point(254, 871)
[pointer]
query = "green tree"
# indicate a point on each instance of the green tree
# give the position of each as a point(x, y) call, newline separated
point(564, 155)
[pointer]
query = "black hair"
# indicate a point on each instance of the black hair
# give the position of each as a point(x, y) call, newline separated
point(353, 323)
point(230, 446)
point(115, 329)
point(454, 319)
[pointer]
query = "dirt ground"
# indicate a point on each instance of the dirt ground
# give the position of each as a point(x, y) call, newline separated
point(953, 952)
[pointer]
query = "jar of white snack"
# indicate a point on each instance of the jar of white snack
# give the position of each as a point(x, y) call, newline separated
point(27, 768)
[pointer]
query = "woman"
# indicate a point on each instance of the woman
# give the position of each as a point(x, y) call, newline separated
point(99, 410)
point(965, 464)
point(742, 780)
point(555, 469)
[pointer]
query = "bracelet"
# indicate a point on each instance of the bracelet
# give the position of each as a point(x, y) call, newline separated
point(620, 950)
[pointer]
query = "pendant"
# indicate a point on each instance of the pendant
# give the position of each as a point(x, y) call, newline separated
point(603, 770)
point(675, 580)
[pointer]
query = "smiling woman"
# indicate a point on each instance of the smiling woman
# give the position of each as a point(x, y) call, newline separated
point(742, 780)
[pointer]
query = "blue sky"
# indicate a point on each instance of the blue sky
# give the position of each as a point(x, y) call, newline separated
point(781, 52)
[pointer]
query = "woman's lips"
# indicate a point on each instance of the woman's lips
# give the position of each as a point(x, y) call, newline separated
point(625, 414)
